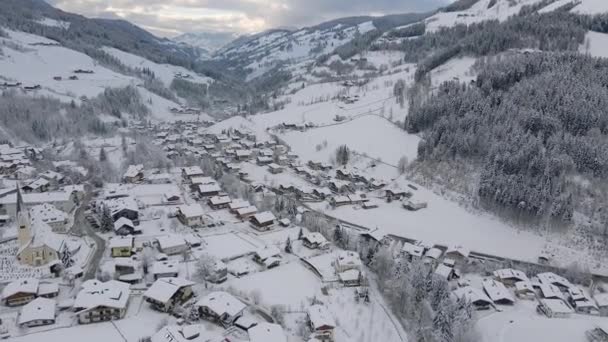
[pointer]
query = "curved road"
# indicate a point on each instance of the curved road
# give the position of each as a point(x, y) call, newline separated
point(90, 270)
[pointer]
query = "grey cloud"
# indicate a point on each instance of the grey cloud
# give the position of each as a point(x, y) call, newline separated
point(238, 15)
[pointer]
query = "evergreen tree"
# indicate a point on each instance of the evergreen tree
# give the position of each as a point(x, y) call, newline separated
point(66, 257)
point(107, 222)
point(288, 246)
point(102, 155)
point(342, 155)
point(338, 237)
point(300, 234)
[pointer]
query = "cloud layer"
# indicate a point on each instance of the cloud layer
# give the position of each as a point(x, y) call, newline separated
point(172, 17)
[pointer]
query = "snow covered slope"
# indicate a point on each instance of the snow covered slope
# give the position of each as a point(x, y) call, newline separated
point(208, 41)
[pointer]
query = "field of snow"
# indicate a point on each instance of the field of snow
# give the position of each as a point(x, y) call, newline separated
point(371, 135)
point(585, 6)
point(596, 44)
point(38, 64)
point(228, 246)
point(522, 323)
point(459, 69)
point(164, 72)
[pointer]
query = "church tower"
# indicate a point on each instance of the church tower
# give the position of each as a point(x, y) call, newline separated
point(24, 233)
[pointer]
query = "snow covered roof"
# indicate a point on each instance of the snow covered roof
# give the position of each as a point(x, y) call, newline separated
point(315, 238)
point(117, 204)
point(48, 289)
point(191, 210)
point(164, 289)
point(472, 294)
point(165, 267)
point(550, 291)
point(38, 198)
point(29, 285)
point(94, 293)
point(264, 217)
point(121, 242)
point(434, 253)
point(552, 278)
point(172, 240)
point(219, 200)
point(47, 213)
point(267, 252)
point(207, 188)
point(348, 258)
point(350, 275)
point(509, 273)
point(557, 306)
point(246, 210)
point(458, 249)
point(192, 171)
point(267, 332)
point(222, 303)
point(444, 271)
point(123, 221)
point(601, 299)
point(411, 249)
point(320, 318)
point(237, 204)
point(202, 180)
point(38, 309)
point(497, 291)
point(134, 171)
point(524, 286)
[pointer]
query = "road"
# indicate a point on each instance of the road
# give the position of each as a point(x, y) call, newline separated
point(80, 220)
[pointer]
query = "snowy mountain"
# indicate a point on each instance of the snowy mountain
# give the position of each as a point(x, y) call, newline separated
point(207, 41)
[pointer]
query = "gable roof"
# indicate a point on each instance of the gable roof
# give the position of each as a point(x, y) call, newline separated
point(222, 303)
point(164, 289)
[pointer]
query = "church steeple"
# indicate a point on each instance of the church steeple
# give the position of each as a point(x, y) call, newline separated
point(24, 228)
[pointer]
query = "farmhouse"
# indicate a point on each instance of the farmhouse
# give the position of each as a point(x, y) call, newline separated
point(475, 296)
point(238, 204)
point(262, 221)
point(397, 194)
point(321, 323)
point(554, 308)
point(190, 215)
point(445, 272)
point(164, 269)
point(269, 257)
point(246, 212)
point(433, 255)
point(458, 253)
point(351, 277)
point(38, 185)
point(134, 174)
point(315, 241)
point(40, 311)
point(348, 260)
point(510, 277)
point(221, 307)
point(123, 207)
point(47, 213)
point(166, 293)
point(524, 290)
point(550, 291)
point(20, 292)
point(582, 302)
point(497, 292)
point(209, 190)
point(121, 246)
point(99, 301)
point(123, 226)
point(554, 279)
point(219, 202)
point(172, 244)
point(188, 173)
point(413, 252)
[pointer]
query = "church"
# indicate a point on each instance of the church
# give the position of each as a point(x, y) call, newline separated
point(38, 244)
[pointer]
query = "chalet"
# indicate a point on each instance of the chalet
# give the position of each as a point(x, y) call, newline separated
point(445, 272)
point(497, 292)
point(172, 197)
point(20, 292)
point(351, 278)
point(159, 178)
point(124, 265)
point(164, 269)
point(459, 253)
point(315, 241)
point(582, 302)
point(218, 271)
point(238, 204)
point(101, 301)
point(321, 323)
point(370, 204)
point(188, 173)
point(219, 202)
point(510, 277)
point(348, 260)
point(262, 221)
point(39, 312)
point(550, 291)
point(285, 222)
point(340, 187)
point(411, 251)
point(525, 290)
point(221, 307)
point(554, 279)
point(172, 244)
point(275, 168)
point(121, 246)
point(475, 296)
point(53, 177)
point(397, 194)
point(316, 165)
point(268, 257)
point(125, 207)
point(196, 181)
point(246, 212)
point(338, 201)
point(134, 174)
point(433, 255)
point(190, 215)
point(209, 190)
point(242, 155)
point(554, 308)
point(123, 226)
point(167, 293)
point(322, 193)
point(38, 185)
point(266, 332)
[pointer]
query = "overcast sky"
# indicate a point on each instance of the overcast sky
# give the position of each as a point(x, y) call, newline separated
point(172, 17)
